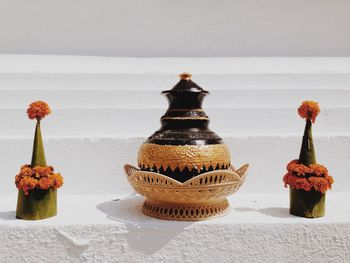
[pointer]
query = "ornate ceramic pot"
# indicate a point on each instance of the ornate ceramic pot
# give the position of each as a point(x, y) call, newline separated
point(185, 165)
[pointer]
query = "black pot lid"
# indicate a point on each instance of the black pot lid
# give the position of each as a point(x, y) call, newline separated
point(185, 122)
point(185, 85)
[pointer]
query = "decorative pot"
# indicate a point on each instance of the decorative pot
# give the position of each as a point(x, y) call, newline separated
point(185, 168)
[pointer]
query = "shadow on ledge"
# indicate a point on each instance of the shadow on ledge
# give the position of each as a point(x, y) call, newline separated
point(144, 234)
point(280, 212)
point(8, 215)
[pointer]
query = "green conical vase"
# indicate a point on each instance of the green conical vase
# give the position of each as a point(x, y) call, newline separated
point(38, 204)
point(307, 154)
point(309, 204)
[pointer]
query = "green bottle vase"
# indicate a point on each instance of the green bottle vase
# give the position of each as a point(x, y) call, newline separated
point(309, 204)
point(38, 204)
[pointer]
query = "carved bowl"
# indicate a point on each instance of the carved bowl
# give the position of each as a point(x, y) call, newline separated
point(199, 198)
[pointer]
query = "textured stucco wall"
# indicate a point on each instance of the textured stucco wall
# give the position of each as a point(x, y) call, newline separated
point(96, 229)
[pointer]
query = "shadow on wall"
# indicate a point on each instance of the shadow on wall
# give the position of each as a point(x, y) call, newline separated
point(148, 234)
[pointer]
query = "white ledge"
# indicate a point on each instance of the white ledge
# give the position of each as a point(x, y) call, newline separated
point(171, 65)
point(96, 229)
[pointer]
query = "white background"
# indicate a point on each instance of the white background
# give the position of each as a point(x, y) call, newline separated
point(176, 28)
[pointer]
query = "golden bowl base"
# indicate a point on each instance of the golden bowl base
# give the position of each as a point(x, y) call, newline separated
point(185, 212)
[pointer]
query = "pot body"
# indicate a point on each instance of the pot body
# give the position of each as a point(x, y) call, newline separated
point(184, 146)
point(38, 204)
point(309, 204)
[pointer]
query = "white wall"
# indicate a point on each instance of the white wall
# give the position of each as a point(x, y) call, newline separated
point(176, 28)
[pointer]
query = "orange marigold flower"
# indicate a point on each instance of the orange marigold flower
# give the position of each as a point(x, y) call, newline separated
point(25, 166)
point(26, 171)
point(41, 177)
point(319, 184)
point(316, 177)
point(286, 179)
point(309, 110)
point(291, 164)
point(40, 171)
point(27, 183)
point(298, 169)
point(302, 183)
point(330, 180)
point(38, 110)
point(291, 180)
point(45, 182)
point(319, 170)
point(18, 178)
point(57, 180)
point(301, 170)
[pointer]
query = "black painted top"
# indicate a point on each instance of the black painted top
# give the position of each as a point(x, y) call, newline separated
point(185, 122)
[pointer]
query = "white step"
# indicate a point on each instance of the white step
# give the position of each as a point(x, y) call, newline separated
point(134, 80)
point(95, 96)
point(103, 109)
point(172, 65)
point(111, 228)
point(98, 98)
point(95, 165)
point(143, 122)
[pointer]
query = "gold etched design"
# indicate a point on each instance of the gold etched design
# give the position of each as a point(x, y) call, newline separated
point(208, 190)
point(191, 156)
point(204, 188)
point(185, 213)
point(197, 110)
point(185, 118)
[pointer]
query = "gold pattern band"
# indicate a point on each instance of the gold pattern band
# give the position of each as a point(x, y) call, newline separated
point(197, 110)
point(185, 118)
point(180, 212)
point(190, 156)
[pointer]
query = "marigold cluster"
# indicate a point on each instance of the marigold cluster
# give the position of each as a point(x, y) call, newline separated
point(309, 110)
point(314, 176)
point(37, 177)
point(295, 168)
point(38, 110)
